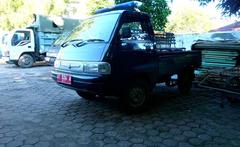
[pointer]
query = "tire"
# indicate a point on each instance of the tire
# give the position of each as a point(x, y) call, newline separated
point(136, 97)
point(25, 61)
point(86, 95)
point(185, 81)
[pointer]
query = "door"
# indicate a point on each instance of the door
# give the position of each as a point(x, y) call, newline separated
point(21, 41)
point(135, 54)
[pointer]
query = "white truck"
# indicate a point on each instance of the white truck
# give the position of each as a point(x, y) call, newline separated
point(26, 46)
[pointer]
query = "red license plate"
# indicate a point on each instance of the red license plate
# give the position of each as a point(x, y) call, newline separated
point(65, 79)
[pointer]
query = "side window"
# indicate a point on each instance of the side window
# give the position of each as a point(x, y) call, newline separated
point(134, 36)
point(135, 30)
point(20, 38)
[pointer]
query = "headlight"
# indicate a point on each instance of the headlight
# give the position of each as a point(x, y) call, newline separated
point(97, 67)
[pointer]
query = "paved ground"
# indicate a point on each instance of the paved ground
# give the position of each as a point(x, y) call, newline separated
point(35, 111)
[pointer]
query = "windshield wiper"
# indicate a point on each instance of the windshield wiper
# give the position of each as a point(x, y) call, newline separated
point(89, 40)
point(94, 40)
point(65, 44)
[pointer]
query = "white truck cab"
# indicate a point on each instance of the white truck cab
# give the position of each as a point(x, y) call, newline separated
point(21, 47)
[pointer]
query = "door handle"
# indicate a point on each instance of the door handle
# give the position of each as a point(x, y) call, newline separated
point(29, 47)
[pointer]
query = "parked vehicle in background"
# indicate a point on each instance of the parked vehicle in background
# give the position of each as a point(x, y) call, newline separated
point(26, 46)
point(53, 51)
point(116, 53)
point(3, 43)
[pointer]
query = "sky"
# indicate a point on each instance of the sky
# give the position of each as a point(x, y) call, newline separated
point(214, 13)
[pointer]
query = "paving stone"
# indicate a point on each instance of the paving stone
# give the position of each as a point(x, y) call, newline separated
point(184, 144)
point(98, 130)
point(110, 140)
point(204, 137)
point(220, 140)
point(31, 141)
point(138, 145)
point(111, 133)
point(110, 145)
point(14, 143)
point(27, 146)
point(136, 140)
point(152, 132)
point(123, 137)
point(195, 141)
point(170, 142)
point(165, 135)
point(189, 134)
point(124, 143)
point(4, 130)
point(175, 131)
point(4, 140)
point(155, 139)
point(46, 137)
point(11, 133)
point(42, 144)
point(60, 135)
point(235, 142)
point(97, 136)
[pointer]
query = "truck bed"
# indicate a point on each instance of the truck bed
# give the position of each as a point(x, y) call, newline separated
point(173, 62)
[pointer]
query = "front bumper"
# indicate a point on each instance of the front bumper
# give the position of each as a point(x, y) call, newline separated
point(96, 84)
point(6, 59)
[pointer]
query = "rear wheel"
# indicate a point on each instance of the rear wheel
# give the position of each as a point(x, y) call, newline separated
point(86, 95)
point(136, 97)
point(25, 61)
point(185, 81)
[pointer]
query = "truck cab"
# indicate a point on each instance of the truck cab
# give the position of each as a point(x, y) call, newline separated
point(20, 41)
point(116, 53)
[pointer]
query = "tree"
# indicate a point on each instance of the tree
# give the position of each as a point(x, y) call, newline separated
point(157, 9)
point(18, 13)
point(94, 5)
point(188, 19)
point(229, 7)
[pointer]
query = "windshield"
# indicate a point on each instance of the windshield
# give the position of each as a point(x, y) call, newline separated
point(96, 29)
point(61, 39)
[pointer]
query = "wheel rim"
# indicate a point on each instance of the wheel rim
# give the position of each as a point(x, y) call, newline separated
point(137, 97)
point(26, 61)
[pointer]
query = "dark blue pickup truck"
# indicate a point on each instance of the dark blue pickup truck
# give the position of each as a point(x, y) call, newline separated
point(115, 53)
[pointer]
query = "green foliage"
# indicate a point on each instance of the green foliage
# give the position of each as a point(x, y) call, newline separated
point(94, 5)
point(229, 7)
point(188, 19)
point(157, 9)
point(18, 13)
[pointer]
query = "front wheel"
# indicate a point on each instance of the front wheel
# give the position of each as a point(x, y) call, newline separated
point(25, 61)
point(136, 97)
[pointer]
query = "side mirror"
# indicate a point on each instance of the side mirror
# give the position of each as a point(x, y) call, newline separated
point(126, 32)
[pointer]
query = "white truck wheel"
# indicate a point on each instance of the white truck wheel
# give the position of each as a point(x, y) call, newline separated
point(25, 61)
